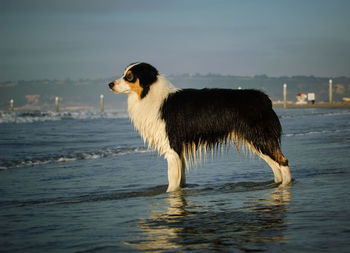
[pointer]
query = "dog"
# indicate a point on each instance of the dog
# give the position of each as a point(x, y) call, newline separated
point(183, 123)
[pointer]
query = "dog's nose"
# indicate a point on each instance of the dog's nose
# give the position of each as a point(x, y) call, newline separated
point(111, 85)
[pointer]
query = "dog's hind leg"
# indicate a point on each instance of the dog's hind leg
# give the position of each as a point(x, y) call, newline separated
point(176, 171)
point(286, 176)
point(284, 167)
point(274, 166)
point(279, 165)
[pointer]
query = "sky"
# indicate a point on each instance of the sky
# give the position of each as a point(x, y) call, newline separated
point(90, 39)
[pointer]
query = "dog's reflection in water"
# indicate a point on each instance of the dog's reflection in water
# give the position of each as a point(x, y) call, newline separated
point(181, 223)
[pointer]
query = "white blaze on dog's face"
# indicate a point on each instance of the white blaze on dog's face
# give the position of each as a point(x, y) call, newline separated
point(137, 78)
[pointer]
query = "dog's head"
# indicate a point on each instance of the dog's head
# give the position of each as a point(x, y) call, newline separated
point(137, 78)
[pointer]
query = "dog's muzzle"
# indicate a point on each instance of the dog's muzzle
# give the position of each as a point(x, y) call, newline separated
point(111, 85)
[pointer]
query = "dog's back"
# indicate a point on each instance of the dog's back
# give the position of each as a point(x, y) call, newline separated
point(209, 117)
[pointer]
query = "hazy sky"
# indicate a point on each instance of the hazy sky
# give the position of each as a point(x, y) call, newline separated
point(97, 39)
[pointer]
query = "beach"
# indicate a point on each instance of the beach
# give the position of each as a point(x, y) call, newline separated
point(84, 181)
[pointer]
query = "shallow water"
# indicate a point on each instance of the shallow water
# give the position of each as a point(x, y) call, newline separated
point(72, 182)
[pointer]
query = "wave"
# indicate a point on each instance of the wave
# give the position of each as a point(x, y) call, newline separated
point(317, 132)
point(61, 158)
point(307, 113)
point(39, 116)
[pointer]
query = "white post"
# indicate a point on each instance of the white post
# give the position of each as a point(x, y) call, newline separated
point(12, 108)
point(102, 106)
point(57, 104)
point(330, 91)
point(285, 96)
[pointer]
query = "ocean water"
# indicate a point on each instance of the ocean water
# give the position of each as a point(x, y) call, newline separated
point(85, 182)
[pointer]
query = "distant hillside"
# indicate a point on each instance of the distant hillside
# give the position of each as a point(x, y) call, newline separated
point(41, 94)
point(85, 94)
point(273, 86)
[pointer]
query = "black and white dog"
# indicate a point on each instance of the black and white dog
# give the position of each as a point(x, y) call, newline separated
point(183, 123)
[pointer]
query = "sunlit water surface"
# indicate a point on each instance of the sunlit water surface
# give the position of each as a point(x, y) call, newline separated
point(83, 181)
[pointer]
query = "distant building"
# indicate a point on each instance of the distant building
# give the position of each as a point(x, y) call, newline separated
point(32, 99)
point(301, 98)
point(311, 97)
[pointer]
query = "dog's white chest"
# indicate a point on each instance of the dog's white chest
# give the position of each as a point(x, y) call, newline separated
point(145, 115)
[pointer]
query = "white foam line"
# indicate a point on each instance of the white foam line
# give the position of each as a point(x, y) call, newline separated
point(74, 157)
point(31, 117)
point(317, 132)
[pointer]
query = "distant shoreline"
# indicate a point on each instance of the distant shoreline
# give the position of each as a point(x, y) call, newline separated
point(334, 105)
point(275, 104)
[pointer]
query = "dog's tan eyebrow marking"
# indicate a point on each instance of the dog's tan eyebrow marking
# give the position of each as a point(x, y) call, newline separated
point(129, 67)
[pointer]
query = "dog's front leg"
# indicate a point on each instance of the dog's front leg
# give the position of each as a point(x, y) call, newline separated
point(176, 171)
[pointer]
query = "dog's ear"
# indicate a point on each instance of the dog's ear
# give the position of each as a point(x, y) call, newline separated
point(147, 75)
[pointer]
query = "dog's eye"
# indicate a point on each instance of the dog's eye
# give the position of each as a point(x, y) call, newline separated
point(129, 77)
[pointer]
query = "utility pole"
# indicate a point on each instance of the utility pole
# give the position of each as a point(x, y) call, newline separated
point(12, 108)
point(57, 104)
point(102, 105)
point(285, 96)
point(330, 91)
